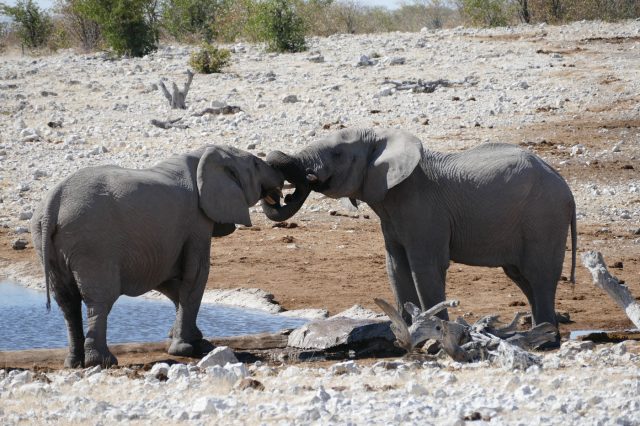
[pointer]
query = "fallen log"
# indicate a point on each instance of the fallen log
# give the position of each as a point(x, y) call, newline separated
point(594, 261)
point(51, 357)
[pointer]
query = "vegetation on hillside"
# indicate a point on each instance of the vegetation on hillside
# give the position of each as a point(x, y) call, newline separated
point(134, 27)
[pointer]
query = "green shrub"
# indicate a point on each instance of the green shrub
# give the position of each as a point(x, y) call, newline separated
point(488, 13)
point(189, 20)
point(33, 24)
point(129, 27)
point(209, 59)
point(278, 23)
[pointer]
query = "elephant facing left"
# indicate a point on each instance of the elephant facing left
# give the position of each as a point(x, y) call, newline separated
point(106, 231)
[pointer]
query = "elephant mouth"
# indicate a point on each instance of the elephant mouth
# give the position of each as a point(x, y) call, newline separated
point(272, 196)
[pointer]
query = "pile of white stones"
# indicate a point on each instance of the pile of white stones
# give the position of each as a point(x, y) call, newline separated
point(580, 384)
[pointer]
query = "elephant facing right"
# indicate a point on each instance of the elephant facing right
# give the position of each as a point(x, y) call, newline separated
point(493, 205)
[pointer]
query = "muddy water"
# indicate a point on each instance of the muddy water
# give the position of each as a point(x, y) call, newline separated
point(26, 324)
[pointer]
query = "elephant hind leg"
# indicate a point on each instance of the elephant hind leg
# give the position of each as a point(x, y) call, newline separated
point(540, 292)
point(96, 351)
point(171, 289)
point(70, 302)
point(514, 274)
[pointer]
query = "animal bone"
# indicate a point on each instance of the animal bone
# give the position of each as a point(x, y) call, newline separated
point(466, 343)
point(594, 261)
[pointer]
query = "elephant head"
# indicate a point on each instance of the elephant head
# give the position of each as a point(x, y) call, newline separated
point(230, 181)
point(356, 163)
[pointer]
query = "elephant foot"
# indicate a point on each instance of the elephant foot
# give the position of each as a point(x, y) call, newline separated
point(180, 348)
point(549, 346)
point(93, 357)
point(202, 347)
point(74, 361)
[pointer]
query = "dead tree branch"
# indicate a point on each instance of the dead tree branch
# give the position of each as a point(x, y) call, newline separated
point(178, 98)
point(594, 261)
point(169, 124)
point(485, 339)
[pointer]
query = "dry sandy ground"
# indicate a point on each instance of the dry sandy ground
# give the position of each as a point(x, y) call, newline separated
point(339, 260)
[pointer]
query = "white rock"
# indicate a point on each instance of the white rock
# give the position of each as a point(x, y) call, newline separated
point(347, 367)
point(204, 405)
point(218, 356)
point(416, 389)
point(20, 124)
point(321, 396)
point(159, 369)
point(177, 371)
point(577, 149)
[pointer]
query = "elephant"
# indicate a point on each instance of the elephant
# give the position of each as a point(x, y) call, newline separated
point(493, 205)
point(107, 231)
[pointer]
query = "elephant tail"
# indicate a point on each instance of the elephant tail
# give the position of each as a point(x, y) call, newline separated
point(574, 246)
point(46, 257)
point(47, 226)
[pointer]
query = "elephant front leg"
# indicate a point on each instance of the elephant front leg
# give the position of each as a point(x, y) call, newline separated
point(429, 272)
point(186, 337)
point(400, 278)
point(96, 351)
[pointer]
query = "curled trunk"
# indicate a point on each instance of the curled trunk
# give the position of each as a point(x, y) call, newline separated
point(294, 172)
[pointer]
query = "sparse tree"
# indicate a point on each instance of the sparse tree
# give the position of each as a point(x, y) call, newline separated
point(33, 24)
point(85, 30)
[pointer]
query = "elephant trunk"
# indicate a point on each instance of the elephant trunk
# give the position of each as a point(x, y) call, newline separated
point(294, 172)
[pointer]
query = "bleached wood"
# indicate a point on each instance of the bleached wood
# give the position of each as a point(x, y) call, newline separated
point(594, 261)
point(177, 99)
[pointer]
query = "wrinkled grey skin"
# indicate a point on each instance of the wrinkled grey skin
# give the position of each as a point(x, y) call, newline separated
point(494, 205)
point(106, 231)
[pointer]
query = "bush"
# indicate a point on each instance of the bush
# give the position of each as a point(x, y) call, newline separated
point(34, 25)
point(278, 23)
point(488, 13)
point(129, 27)
point(187, 20)
point(209, 59)
point(82, 29)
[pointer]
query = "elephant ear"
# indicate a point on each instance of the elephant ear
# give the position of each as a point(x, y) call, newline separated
point(221, 197)
point(392, 161)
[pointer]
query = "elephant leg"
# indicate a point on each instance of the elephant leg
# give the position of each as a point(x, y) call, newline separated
point(514, 274)
point(429, 272)
point(540, 292)
point(400, 278)
point(171, 290)
point(70, 303)
point(187, 338)
point(96, 351)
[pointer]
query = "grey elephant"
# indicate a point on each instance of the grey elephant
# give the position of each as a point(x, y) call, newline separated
point(493, 205)
point(106, 231)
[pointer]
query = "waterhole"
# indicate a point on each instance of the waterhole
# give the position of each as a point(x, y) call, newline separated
point(26, 324)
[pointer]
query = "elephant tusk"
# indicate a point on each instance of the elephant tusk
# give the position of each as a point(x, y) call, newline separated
point(312, 178)
point(270, 200)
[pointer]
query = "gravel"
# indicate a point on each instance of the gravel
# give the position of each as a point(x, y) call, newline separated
point(578, 385)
